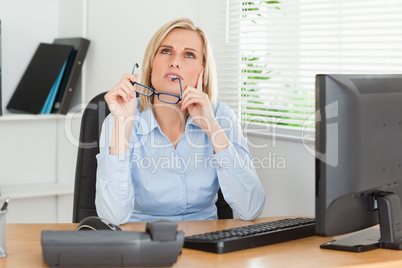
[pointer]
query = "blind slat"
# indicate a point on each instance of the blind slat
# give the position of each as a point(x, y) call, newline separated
point(273, 107)
point(286, 101)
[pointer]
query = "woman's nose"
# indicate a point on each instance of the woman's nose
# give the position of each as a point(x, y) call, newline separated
point(175, 63)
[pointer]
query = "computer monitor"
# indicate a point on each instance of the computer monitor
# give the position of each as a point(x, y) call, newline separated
point(359, 160)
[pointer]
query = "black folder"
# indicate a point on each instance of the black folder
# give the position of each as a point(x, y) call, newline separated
point(39, 78)
point(73, 72)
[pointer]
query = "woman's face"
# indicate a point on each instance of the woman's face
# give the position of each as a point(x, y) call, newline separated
point(179, 55)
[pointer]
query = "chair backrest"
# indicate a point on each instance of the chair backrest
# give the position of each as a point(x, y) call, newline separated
point(85, 175)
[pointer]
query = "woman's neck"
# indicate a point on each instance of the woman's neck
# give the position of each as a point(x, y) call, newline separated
point(171, 120)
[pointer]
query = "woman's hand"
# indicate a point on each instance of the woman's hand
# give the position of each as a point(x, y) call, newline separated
point(122, 104)
point(199, 108)
point(122, 98)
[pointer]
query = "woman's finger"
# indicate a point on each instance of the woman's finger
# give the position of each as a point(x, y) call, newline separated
point(130, 77)
point(127, 88)
point(192, 99)
point(130, 87)
point(133, 78)
point(200, 80)
point(189, 90)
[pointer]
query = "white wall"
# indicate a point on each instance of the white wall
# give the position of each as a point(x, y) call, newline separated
point(287, 172)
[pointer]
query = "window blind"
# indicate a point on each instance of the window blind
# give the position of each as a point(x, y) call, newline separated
point(272, 51)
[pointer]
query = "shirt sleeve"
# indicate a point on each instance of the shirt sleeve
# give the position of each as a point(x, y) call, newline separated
point(237, 177)
point(114, 198)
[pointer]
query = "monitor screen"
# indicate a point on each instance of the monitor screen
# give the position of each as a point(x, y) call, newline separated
point(359, 157)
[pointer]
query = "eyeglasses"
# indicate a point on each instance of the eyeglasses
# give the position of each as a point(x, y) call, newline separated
point(148, 92)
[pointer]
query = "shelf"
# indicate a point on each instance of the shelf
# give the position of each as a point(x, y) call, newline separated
point(35, 190)
point(29, 117)
point(35, 117)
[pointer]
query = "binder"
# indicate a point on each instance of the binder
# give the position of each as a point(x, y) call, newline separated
point(46, 109)
point(73, 72)
point(39, 78)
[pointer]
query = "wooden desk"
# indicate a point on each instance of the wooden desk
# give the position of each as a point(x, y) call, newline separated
point(24, 249)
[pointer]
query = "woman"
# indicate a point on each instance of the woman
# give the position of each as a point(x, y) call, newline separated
point(168, 151)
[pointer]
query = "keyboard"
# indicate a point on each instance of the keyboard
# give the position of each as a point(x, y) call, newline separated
point(251, 236)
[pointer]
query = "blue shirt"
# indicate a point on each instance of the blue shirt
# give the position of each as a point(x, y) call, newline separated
point(155, 180)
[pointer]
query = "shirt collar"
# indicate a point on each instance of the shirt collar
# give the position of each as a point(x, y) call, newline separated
point(148, 123)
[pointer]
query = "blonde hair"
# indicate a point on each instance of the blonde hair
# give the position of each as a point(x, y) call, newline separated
point(210, 79)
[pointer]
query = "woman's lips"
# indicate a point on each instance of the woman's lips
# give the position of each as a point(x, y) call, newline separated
point(171, 76)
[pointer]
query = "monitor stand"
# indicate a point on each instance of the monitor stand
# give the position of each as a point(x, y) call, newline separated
point(360, 241)
point(388, 236)
point(390, 217)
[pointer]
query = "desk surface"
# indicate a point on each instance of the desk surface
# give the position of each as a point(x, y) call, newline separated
point(24, 249)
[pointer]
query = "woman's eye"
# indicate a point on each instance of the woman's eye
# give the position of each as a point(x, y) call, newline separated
point(190, 55)
point(166, 51)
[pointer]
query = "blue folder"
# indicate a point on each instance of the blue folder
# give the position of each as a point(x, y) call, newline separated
point(47, 107)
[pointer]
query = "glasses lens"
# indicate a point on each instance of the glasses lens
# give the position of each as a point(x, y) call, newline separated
point(143, 90)
point(168, 98)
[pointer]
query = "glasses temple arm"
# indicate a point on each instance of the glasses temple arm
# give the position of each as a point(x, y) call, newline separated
point(135, 66)
point(181, 91)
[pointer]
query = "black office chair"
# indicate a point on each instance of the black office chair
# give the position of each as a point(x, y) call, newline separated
point(85, 175)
